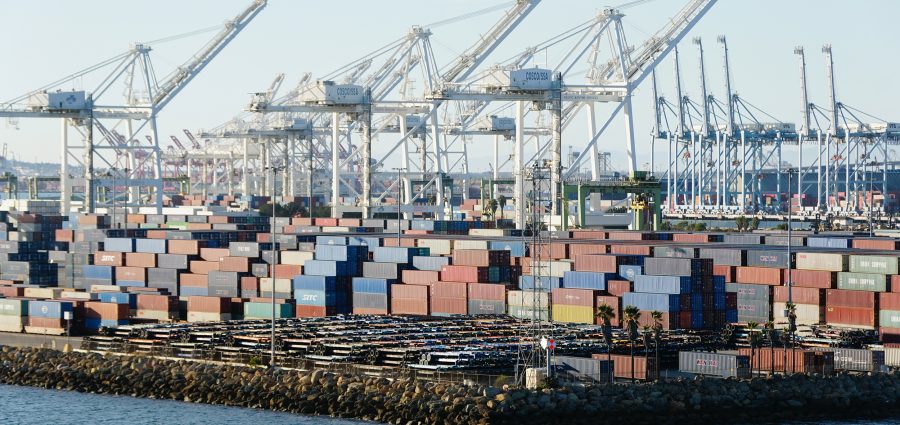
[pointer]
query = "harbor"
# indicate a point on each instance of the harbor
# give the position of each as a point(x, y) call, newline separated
point(427, 233)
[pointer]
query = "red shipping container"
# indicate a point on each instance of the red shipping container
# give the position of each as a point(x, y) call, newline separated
point(691, 237)
point(64, 235)
point(889, 301)
point(487, 291)
point(548, 251)
point(199, 226)
point(420, 277)
point(626, 236)
point(156, 234)
point(331, 222)
point(812, 278)
point(409, 306)
point(645, 250)
point(213, 254)
point(151, 302)
point(249, 283)
point(644, 367)
point(234, 264)
point(194, 280)
point(105, 311)
point(727, 271)
point(209, 304)
point(800, 295)
point(449, 290)
point(577, 249)
point(598, 263)
point(851, 316)
point(850, 298)
point(185, 247)
point(11, 291)
point(104, 258)
point(134, 274)
point(588, 234)
point(614, 302)
point(46, 322)
point(889, 336)
point(579, 297)
point(464, 274)
point(140, 259)
point(882, 244)
point(203, 267)
point(684, 320)
point(759, 275)
point(619, 287)
point(314, 311)
point(895, 283)
point(287, 271)
point(441, 305)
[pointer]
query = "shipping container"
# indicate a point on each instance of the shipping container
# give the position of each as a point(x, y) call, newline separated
point(821, 261)
point(582, 369)
point(586, 280)
point(855, 359)
point(663, 284)
point(759, 275)
point(677, 266)
point(713, 364)
point(644, 367)
point(873, 264)
point(854, 317)
point(650, 302)
point(862, 281)
point(768, 258)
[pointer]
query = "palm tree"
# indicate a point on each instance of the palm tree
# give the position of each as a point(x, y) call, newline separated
point(751, 328)
point(645, 334)
point(770, 330)
point(605, 313)
point(501, 202)
point(492, 207)
point(792, 327)
point(631, 315)
point(657, 332)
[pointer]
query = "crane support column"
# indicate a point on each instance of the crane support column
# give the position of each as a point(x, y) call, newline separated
point(89, 167)
point(366, 119)
point(518, 169)
point(556, 155)
point(335, 164)
point(64, 185)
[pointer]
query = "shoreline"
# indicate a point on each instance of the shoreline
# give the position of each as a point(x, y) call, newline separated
point(318, 392)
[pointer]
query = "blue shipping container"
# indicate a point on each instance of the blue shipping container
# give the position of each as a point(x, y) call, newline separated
point(662, 284)
point(666, 303)
point(430, 263)
point(155, 246)
point(372, 285)
point(586, 280)
point(97, 272)
point(543, 283)
point(49, 309)
point(327, 268)
point(119, 244)
point(355, 253)
point(628, 272)
point(400, 255)
point(515, 248)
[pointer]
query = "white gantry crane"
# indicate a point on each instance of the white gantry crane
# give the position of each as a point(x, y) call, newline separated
point(137, 160)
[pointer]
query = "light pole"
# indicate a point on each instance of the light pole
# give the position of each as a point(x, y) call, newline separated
point(274, 260)
point(400, 171)
point(871, 197)
point(790, 302)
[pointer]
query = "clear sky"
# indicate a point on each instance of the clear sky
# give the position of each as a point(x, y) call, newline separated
point(47, 39)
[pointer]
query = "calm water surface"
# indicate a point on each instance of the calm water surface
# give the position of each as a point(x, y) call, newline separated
point(26, 406)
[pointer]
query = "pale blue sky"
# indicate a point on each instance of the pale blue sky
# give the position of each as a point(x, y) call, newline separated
point(47, 39)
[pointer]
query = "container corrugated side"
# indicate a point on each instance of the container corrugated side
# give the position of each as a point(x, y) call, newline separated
point(723, 365)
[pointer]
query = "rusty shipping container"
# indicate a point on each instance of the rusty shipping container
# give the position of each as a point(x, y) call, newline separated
point(811, 278)
point(644, 368)
point(759, 275)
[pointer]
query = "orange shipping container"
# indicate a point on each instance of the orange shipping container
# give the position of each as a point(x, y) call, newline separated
point(800, 295)
point(134, 274)
point(194, 280)
point(812, 278)
point(287, 271)
point(645, 250)
point(105, 311)
point(644, 367)
point(140, 259)
point(420, 277)
point(758, 275)
point(209, 304)
point(588, 234)
point(213, 254)
point(616, 304)
point(203, 267)
point(185, 247)
point(233, 264)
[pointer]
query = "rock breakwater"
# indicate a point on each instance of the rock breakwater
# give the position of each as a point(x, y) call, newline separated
point(405, 401)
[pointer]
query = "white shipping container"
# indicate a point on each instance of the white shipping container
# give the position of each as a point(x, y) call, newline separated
point(45, 293)
point(807, 314)
point(196, 316)
point(821, 261)
point(470, 244)
point(281, 285)
point(551, 268)
point(296, 258)
point(437, 246)
point(488, 232)
point(335, 229)
point(528, 299)
point(892, 356)
point(12, 323)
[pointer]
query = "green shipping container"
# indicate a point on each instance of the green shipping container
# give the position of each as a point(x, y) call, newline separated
point(17, 308)
point(253, 310)
point(889, 319)
point(180, 225)
point(862, 282)
point(873, 264)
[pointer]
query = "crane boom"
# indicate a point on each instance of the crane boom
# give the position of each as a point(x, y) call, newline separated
point(469, 60)
point(186, 72)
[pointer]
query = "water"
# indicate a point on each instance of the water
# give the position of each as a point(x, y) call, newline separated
point(26, 406)
point(37, 406)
